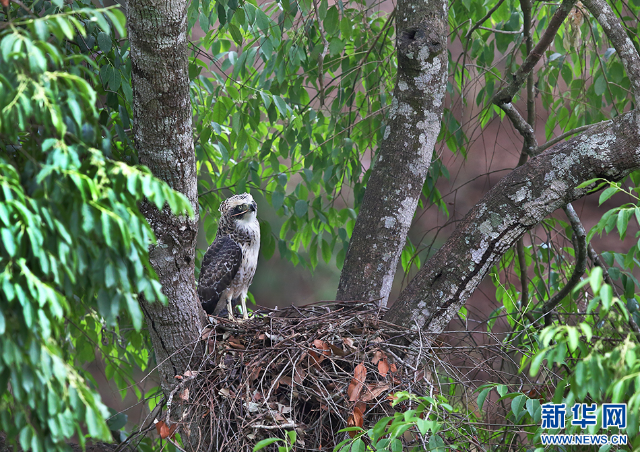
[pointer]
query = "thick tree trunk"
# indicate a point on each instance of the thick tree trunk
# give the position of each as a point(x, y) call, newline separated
point(516, 204)
point(404, 157)
point(162, 130)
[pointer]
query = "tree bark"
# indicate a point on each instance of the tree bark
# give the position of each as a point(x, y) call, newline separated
point(163, 136)
point(515, 205)
point(404, 157)
point(612, 27)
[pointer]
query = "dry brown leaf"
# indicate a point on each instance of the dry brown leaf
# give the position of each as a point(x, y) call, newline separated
point(355, 387)
point(383, 367)
point(377, 356)
point(277, 416)
point(356, 419)
point(317, 358)
point(348, 342)
point(164, 431)
point(190, 373)
point(184, 395)
point(299, 374)
point(235, 343)
point(362, 406)
point(374, 391)
point(393, 368)
point(285, 380)
point(324, 346)
point(337, 350)
point(254, 374)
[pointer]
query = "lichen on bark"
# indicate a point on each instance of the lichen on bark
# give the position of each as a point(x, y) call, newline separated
point(518, 202)
point(404, 157)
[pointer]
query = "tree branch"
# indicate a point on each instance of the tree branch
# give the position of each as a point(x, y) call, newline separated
point(579, 240)
point(628, 54)
point(531, 120)
point(516, 204)
point(505, 95)
point(484, 19)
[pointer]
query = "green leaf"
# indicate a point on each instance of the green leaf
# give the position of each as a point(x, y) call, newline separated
point(534, 410)
point(301, 207)
point(517, 404)
point(264, 443)
point(336, 46)
point(104, 42)
point(235, 34)
point(606, 294)
point(608, 193)
point(8, 242)
point(263, 21)
point(326, 251)
point(134, 310)
point(589, 182)
point(117, 421)
point(595, 279)
point(277, 199)
point(109, 276)
point(600, 85)
point(281, 105)
point(358, 446)
point(332, 22)
point(482, 397)
point(574, 338)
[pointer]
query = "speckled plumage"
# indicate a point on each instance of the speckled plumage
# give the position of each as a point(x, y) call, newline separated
point(230, 262)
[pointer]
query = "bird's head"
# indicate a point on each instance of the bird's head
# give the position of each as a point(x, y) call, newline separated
point(239, 208)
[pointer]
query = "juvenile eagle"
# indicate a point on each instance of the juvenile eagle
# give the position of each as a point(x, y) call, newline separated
point(230, 262)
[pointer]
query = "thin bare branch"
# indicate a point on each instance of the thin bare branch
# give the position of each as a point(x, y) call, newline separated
point(579, 240)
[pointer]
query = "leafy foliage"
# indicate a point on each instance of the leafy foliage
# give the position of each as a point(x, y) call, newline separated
point(74, 255)
point(292, 103)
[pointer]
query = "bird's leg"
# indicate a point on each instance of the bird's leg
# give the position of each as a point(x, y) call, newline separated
point(243, 301)
point(230, 307)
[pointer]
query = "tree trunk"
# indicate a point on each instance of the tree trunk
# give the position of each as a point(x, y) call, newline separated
point(516, 204)
point(163, 136)
point(404, 157)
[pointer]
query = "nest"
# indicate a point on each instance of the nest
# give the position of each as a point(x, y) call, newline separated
point(315, 369)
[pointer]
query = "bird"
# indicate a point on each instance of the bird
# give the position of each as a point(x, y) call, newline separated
point(230, 262)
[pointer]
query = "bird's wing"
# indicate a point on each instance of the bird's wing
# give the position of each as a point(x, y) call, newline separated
point(219, 266)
